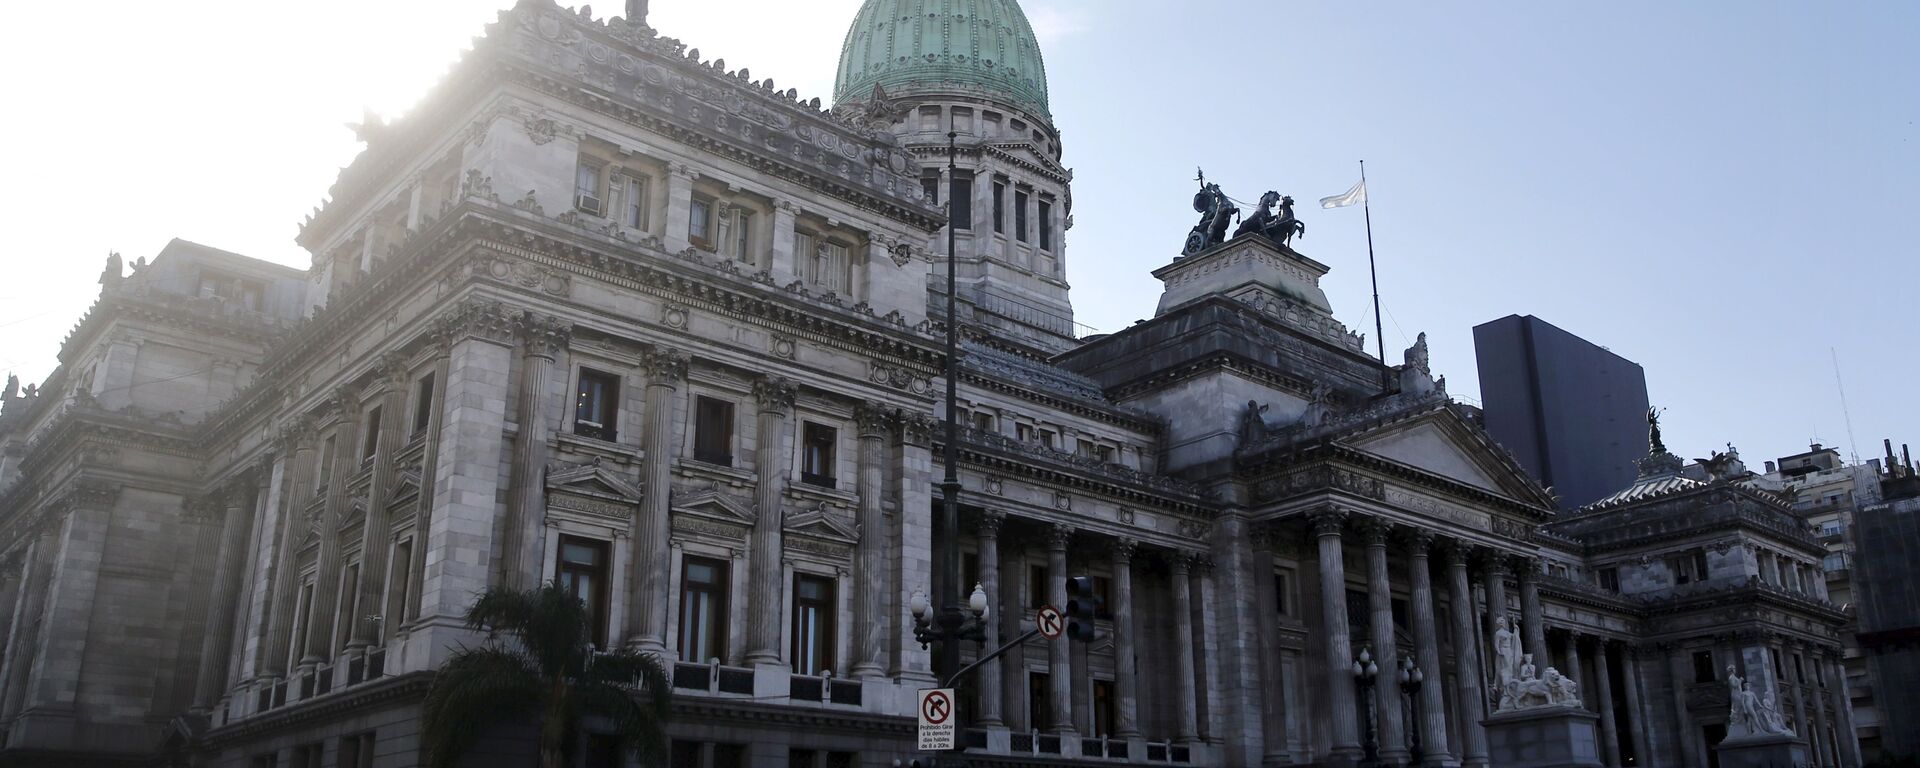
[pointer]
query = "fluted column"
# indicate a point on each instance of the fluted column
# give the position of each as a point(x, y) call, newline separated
point(1059, 657)
point(326, 581)
point(1333, 622)
point(217, 638)
point(1800, 724)
point(1689, 738)
point(989, 534)
point(376, 532)
point(1535, 634)
point(767, 599)
point(1823, 754)
point(1186, 705)
point(1603, 690)
point(293, 527)
point(29, 614)
point(652, 523)
point(429, 468)
point(542, 338)
point(1473, 735)
point(1273, 696)
point(1426, 641)
point(1575, 670)
point(1848, 744)
point(1126, 683)
point(1636, 703)
point(1386, 704)
point(874, 420)
point(679, 207)
point(1495, 578)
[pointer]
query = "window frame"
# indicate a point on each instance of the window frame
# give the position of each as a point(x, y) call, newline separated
point(819, 441)
point(566, 574)
point(1020, 199)
point(702, 451)
point(1045, 223)
point(713, 612)
point(588, 164)
point(999, 205)
point(825, 628)
point(423, 396)
point(370, 432)
point(635, 193)
point(700, 209)
point(606, 405)
point(960, 201)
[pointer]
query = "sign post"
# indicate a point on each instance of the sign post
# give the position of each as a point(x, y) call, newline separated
point(937, 731)
point(1050, 621)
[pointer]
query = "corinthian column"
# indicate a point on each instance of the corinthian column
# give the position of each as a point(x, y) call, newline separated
point(767, 600)
point(1473, 735)
point(874, 420)
point(990, 682)
point(1333, 624)
point(298, 436)
point(1393, 747)
point(652, 522)
point(1426, 641)
point(1535, 635)
point(1183, 671)
point(543, 338)
point(326, 581)
point(1059, 660)
point(217, 640)
point(376, 532)
point(1126, 685)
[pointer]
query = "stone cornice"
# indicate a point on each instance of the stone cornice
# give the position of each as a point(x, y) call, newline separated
point(1011, 457)
point(1108, 414)
point(1275, 464)
point(399, 689)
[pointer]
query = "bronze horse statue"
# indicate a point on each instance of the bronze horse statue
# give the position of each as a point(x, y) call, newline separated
point(1280, 228)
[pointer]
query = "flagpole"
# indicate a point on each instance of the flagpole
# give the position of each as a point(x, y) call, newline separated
point(1380, 336)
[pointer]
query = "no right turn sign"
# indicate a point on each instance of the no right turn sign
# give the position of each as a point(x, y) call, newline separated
point(936, 720)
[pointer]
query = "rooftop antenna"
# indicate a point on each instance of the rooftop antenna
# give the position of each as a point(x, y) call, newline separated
point(1853, 448)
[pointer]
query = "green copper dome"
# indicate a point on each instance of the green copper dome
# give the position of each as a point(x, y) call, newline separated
point(961, 47)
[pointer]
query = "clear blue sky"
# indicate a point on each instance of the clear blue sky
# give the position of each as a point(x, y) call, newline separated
point(1719, 191)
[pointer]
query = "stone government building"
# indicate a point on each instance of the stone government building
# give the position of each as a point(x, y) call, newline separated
point(604, 311)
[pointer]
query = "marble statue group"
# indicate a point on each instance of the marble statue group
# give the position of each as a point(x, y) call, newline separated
point(1519, 683)
point(1749, 714)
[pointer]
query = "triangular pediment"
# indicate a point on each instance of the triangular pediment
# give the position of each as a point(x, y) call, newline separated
point(711, 503)
point(822, 523)
point(592, 480)
point(1444, 444)
point(406, 484)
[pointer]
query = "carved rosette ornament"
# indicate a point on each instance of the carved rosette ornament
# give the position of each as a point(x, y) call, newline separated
point(664, 366)
point(544, 335)
point(774, 394)
point(873, 419)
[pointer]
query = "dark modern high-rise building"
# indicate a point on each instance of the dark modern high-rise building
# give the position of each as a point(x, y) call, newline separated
point(1573, 413)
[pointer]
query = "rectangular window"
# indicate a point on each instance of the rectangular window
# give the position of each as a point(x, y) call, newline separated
point(423, 404)
point(304, 612)
point(713, 431)
point(1103, 590)
point(1023, 433)
point(1049, 438)
point(813, 610)
point(265, 760)
point(1700, 565)
point(1039, 715)
point(841, 759)
point(349, 602)
point(969, 570)
point(582, 572)
point(326, 465)
point(1103, 708)
point(356, 751)
point(930, 184)
point(1046, 225)
point(804, 251)
point(1703, 667)
point(308, 755)
point(743, 236)
point(1836, 561)
point(1037, 586)
point(983, 421)
point(830, 266)
point(999, 207)
point(1610, 579)
point(1282, 592)
point(370, 437)
point(729, 756)
point(703, 609)
point(633, 202)
point(686, 754)
point(595, 408)
point(1020, 216)
point(700, 222)
point(602, 751)
point(399, 583)
point(960, 196)
point(586, 188)
point(816, 457)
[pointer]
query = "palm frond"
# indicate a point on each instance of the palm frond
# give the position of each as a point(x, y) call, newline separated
point(642, 673)
point(502, 610)
point(557, 632)
point(475, 689)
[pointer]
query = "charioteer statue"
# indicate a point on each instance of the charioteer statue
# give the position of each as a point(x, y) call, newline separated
point(1273, 220)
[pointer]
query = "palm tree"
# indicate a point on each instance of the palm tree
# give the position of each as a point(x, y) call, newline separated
point(544, 665)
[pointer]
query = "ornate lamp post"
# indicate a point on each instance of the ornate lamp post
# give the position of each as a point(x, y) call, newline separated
point(1364, 674)
point(1410, 679)
point(949, 625)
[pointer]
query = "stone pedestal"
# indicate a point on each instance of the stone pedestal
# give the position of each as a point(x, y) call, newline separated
point(1764, 751)
point(1544, 737)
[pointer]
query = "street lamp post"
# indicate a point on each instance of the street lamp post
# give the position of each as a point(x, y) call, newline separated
point(1365, 671)
point(1410, 680)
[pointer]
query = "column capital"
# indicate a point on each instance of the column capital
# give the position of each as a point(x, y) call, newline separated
point(990, 522)
point(392, 370)
point(1124, 549)
point(1328, 521)
point(874, 419)
point(1180, 562)
point(783, 205)
point(682, 170)
point(774, 394)
point(1457, 552)
point(665, 366)
point(1261, 536)
point(339, 404)
point(1494, 563)
point(1373, 530)
point(917, 429)
point(544, 335)
point(1527, 567)
point(1418, 540)
point(475, 319)
point(1058, 536)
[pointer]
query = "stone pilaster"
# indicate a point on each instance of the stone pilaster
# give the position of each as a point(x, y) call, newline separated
point(1473, 735)
point(53, 678)
point(913, 483)
point(1800, 722)
point(1186, 705)
point(1688, 742)
point(1392, 732)
point(293, 525)
point(543, 339)
point(873, 420)
point(989, 558)
point(1576, 669)
point(1059, 649)
point(1011, 601)
point(343, 413)
point(1535, 633)
point(370, 626)
point(679, 207)
point(1126, 682)
point(1426, 641)
point(1327, 524)
point(248, 618)
point(1603, 698)
point(217, 639)
point(1630, 658)
point(785, 266)
point(1273, 689)
point(652, 523)
point(423, 505)
point(28, 616)
point(766, 598)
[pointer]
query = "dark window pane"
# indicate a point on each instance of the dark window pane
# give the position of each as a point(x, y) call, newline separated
point(1046, 225)
point(713, 431)
point(962, 199)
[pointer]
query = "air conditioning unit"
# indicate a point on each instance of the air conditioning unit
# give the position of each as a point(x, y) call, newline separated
point(589, 204)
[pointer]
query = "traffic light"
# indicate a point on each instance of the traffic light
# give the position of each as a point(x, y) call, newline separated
point(1082, 606)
